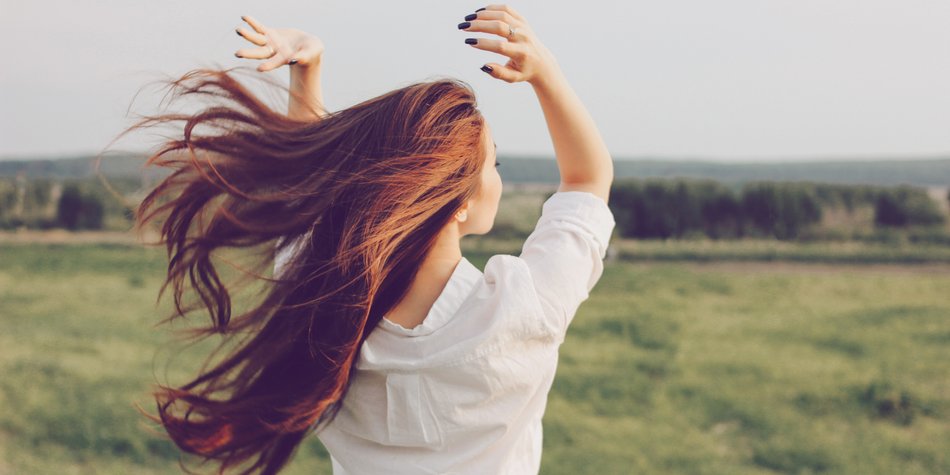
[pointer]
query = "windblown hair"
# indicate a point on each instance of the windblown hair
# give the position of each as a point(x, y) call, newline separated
point(361, 194)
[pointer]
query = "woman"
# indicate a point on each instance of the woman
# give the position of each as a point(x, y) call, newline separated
point(374, 331)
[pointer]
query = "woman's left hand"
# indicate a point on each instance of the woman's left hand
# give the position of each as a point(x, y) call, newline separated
point(279, 46)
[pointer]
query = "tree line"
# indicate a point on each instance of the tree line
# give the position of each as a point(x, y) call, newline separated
point(75, 204)
point(683, 208)
point(653, 208)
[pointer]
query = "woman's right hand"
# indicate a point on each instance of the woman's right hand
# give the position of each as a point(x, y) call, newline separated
point(279, 46)
point(529, 60)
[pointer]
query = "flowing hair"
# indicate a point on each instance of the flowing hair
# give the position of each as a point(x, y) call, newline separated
point(359, 196)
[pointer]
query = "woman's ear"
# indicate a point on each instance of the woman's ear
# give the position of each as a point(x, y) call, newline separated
point(462, 214)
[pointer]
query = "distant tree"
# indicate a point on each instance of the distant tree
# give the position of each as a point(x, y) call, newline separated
point(78, 210)
point(906, 206)
point(622, 202)
point(722, 213)
point(688, 199)
point(781, 210)
point(70, 206)
point(658, 219)
point(759, 205)
point(646, 209)
point(7, 203)
point(38, 194)
point(662, 208)
point(92, 213)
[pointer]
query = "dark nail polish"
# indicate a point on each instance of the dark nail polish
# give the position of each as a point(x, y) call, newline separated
point(238, 55)
point(238, 32)
point(293, 61)
point(487, 68)
point(471, 41)
point(464, 25)
point(480, 9)
point(471, 17)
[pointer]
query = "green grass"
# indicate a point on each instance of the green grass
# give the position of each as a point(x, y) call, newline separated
point(846, 252)
point(746, 250)
point(669, 368)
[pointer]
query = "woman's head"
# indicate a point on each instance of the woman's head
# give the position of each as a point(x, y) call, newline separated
point(367, 190)
point(479, 212)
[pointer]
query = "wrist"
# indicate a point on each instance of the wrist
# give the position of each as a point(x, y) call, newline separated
point(549, 83)
point(307, 64)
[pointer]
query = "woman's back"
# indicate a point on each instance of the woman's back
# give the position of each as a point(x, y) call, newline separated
point(465, 391)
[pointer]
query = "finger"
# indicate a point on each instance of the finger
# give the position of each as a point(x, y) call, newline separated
point(504, 8)
point(253, 37)
point(495, 15)
point(275, 62)
point(263, 52)
point(504, 73)
point(501, 47)
point(254, 24)
point(496, 27)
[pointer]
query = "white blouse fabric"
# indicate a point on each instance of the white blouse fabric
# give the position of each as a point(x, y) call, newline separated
point(464, 392)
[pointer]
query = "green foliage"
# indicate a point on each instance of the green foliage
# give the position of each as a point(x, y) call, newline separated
point(8, 199)
point(674, 209)
point(70, 207)
point(644, 209)
point(78, 209)
point(847, 196)
point(906, 206)
point(781, 210)
point(71, 204)
point(26, 203)
point(38, 194)
point(683, 208)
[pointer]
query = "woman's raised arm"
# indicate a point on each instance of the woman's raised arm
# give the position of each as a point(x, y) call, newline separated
point(582, 157)
point(302, 51)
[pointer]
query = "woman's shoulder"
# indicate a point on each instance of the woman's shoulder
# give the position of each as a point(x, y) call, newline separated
point(509, 275)
point(510, 288)
point(506, 267)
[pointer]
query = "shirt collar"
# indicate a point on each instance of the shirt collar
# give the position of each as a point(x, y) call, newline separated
point(456, 290)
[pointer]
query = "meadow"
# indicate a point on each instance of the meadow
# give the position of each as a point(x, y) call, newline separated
point(671, 366)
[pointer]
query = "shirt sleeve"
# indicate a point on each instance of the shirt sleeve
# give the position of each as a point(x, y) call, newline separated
point(283, 257)
point(565, 252)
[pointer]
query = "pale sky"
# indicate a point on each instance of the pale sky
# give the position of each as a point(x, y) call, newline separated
point(738, 80)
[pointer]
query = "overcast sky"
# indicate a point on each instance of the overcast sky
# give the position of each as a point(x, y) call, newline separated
point(736, 80)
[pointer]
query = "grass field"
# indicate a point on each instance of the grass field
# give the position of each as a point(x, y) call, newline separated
point(670, 367)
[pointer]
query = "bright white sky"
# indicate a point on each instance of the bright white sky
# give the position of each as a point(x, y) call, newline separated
point(725, 80)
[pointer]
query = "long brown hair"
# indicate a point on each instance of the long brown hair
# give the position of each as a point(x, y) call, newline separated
point(365, 192)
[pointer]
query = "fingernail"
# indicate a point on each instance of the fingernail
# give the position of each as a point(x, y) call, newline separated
point(471, 41)
point(242, 18)
point(464, 25)
point(238, 32)
point(293, 61)
point(480, 9)
point(470, 17)
point(487, 69)
point(238, 55)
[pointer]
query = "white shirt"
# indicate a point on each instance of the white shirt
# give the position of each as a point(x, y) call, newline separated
point(464, 392)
